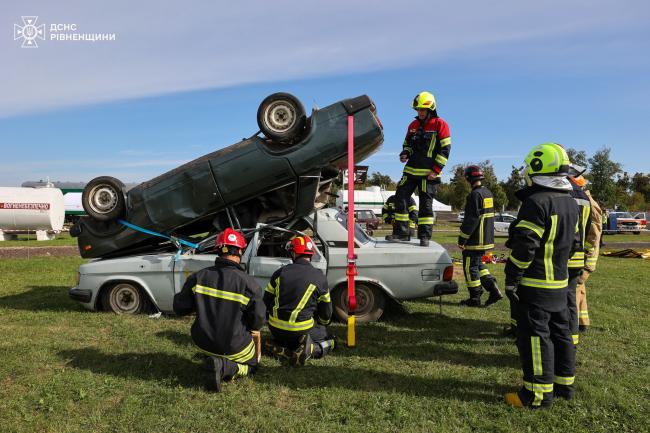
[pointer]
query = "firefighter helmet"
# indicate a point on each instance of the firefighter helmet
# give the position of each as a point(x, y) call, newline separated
point(230, 238)
point(473, 173)
point(424, 100)
point(548, 159)
point(302, 245)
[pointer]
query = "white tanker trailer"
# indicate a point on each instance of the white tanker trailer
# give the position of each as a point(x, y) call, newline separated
point(22, 210)
point(373, 198)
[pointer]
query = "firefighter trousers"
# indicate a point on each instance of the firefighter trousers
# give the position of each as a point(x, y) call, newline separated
point(581, 299)
point(477, 275)
point(405, 188)
point(290, 339)
point(238, 364)
point(547, 354)
point(571, 304)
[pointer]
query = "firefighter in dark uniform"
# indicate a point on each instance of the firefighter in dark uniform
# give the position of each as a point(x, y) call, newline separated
point(228, 305)
point(388, 213)
point(476, 237)
point(299, 307)
point(577, 261)
point(425, 150)
point(544, 237)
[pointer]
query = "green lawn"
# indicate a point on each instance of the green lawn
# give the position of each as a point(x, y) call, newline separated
point(63, 239)
point(63, 369)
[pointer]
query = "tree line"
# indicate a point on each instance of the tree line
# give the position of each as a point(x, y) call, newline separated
point(609, 184)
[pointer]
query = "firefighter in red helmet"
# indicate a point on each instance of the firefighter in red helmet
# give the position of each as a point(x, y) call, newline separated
point(228, 305)
point(299, 307)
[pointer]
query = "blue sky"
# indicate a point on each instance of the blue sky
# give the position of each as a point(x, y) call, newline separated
point(185, 78)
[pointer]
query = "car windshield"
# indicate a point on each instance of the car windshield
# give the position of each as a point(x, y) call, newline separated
point(624, 215)
point(359, 234)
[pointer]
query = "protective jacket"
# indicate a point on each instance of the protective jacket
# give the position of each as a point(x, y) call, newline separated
point(577, 260)
point(427, 145)
point(295, 295)
point(228, 305)
point(388, 211)
point(542, 238)
point(592, 239)
point(477, 229)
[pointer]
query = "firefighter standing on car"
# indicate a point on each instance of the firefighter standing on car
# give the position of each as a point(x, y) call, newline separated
point(388, 213)
point(299, 307)
point(593, 234)
point(476, 237)
point(425, 150)
point(228, 305)
point(543, 238)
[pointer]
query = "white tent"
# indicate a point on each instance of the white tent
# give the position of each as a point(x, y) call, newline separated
point(373, 198)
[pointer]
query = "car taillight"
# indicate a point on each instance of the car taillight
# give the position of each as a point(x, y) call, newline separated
point(643, 222)
point(448, 274)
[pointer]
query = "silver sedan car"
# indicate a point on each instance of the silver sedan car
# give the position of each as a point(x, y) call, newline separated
point(387, 270)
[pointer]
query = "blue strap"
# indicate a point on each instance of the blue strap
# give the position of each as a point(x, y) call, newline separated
point(175, 240)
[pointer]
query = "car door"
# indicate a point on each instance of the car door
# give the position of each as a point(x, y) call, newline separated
point(187, 264)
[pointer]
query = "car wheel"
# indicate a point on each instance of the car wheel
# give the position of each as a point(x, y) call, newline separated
point(281, 117)
point(103, 198)
point(124, 298)
point(637, 233)
point(371, 302)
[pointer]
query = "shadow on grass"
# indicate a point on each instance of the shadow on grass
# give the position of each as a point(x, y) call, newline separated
point(182, 339)
point(41, 298)
point(173, 370)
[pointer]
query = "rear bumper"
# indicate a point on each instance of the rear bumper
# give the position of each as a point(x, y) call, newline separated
point(80, 295)
point(445, 288)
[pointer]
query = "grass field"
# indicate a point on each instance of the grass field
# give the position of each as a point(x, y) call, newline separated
point(63, 369)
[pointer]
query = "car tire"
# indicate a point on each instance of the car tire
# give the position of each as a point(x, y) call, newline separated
point(103, 198)
point(281, 117)
point(371, 302)
point(124, 298)
point(637, 233)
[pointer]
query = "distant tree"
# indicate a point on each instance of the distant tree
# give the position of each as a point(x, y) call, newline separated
point(602, 171)
point(641, 184)
point(458, 188)
point(637, 202)
point(578, 157)
point(382, 180)
point(513, 184)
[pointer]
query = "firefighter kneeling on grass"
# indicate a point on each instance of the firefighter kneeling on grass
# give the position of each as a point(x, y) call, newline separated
point(476, 237)
point(296, 294)
point(228, 305)
point(543, 238)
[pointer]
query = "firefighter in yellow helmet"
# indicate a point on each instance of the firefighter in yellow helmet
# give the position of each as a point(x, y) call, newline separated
point(425, 151)
point(542, 239)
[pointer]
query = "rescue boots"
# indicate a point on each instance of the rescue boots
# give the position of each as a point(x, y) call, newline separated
point(394, 237)
point(490, 283)
point(495, 296)
point(512, 399)
point(471, 302)
point(277, 351)
point(583, 328)
point(303, 352)
point(322, 348)
point(563, 391)
point(216, 375)
point(424, 242)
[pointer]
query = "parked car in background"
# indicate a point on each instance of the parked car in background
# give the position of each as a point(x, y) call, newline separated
point(275, 178)
point(461, 217)
point(502, 223)
point(387, 270)
point(624, 222)
point(367, 219)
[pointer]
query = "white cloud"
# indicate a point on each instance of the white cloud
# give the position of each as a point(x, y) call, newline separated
point(169, 46)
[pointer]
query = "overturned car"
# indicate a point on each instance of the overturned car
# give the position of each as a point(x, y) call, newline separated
point(275, 179)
